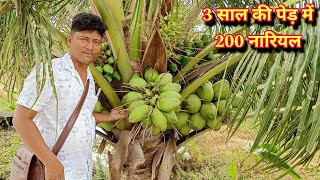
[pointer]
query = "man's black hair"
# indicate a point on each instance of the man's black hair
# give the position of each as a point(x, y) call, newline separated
point(88, 21)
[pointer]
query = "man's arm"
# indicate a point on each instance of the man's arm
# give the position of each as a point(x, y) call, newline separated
point(29, 133)
point(116, 114)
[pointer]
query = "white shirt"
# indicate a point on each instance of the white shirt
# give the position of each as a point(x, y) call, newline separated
point(76, 153)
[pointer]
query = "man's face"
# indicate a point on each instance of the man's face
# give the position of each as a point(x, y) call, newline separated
point(84, 46)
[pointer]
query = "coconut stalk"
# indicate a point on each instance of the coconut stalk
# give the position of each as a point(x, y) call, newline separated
point(118, 42)
point(135, 30)
point(152, 7)
point(210, 74)
point(105, 87)
point(117, 12)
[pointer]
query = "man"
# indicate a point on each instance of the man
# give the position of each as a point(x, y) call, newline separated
point(39, 119)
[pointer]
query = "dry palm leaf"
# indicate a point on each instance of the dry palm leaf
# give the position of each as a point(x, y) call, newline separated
point(166, 7)
point(122, 150)
point(167, 160)
point(156, 160)
point(136, 156)
point(155, 54)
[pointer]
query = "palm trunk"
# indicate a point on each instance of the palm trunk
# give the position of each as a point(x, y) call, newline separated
point(142, 158)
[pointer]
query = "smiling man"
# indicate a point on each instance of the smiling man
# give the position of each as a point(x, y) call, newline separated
point(39, 119)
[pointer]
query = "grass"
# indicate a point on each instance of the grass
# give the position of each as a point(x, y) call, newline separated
point(9, 144)
point(210, 157)
point(4, 104)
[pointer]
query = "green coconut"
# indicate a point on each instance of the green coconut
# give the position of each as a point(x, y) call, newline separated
point(105, 111)
point(171, 117)
point(197, 122)
point(121, 124)
point(135, 75)
point(208, 110)
point(134, 105)
point(97, 107)
point(159, 119)
point(171, 87)
point(108, 77)
point(221, 88)
point(164, 78)
point(138, 82)
point(138, 113)
point(111, 61)
point(169, 126)
point(168, 104)
point(236, 101)
point(183, 119)
point(100, 69)
point(221, 106)
point(108, 126)
point(116, 75)
point(184, 130)
point(130, 97)
point(146, 123)
point(108, 69)
point(215, 123)
point(192, 103)
point(151, 74)
point(205, 92)
point(155, 130)
point(170, 94)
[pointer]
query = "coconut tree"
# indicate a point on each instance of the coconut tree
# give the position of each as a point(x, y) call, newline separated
point(147, 34)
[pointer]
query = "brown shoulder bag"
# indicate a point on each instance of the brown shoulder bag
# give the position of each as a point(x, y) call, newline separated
point(26, 165)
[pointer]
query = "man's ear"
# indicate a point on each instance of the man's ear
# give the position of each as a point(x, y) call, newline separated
point(69, 39)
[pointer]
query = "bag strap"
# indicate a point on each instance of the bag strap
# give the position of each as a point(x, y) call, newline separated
point(66, 130)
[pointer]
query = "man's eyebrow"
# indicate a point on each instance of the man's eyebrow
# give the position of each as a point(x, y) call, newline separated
point(83, 36)
point(89, 38)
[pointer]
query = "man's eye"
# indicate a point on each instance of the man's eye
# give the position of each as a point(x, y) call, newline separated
point(84, 39)
point(97, 42)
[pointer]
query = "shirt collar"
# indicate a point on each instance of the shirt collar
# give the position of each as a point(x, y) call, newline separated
point(68, 65)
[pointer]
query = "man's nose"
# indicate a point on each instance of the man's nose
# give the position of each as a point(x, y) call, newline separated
point(90, 45)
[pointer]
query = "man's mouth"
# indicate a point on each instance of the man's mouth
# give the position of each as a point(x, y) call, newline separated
point(88, 54)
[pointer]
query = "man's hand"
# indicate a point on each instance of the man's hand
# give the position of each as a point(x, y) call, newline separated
point(31, 136)
point(118, 113)
point(54, 170)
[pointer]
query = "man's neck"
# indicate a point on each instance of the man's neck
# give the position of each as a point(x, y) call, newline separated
point(80, 68)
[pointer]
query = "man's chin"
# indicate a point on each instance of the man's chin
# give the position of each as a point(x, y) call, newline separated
point(87, 60)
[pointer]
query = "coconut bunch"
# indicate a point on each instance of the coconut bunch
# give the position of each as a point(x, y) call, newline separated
point(106, 63)
point(205, 107)
point(186, 50)
point(153, 100)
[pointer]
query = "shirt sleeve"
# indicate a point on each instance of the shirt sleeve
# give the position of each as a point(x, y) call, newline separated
point(29, 97)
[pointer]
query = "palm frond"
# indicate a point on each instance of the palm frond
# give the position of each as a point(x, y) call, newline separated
point(31, 25)
point(282, 117)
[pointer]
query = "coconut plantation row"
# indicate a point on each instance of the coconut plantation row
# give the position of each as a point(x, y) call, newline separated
point(159, 63)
